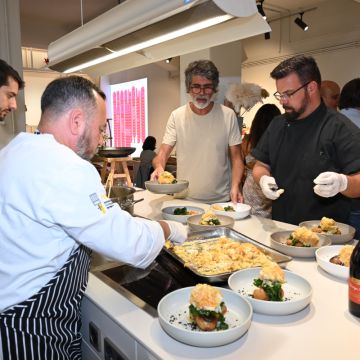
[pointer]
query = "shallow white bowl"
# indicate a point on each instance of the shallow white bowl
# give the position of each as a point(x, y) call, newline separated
point(297, 292)
point(168, 213)
point(241, 210)
point(157, 188)
point(173, 310)
point(347, 231)
point(193, 222)
point(278, 242)
point(323, 256)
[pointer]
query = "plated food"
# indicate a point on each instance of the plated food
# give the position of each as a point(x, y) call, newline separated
point(219, 256)
point(176, 320)
point(167, 178)
point(296, 290)
point(180, 213)
point(207, 308)
point(209, 220)
point(298, 243)
point(237, 211)
point(339, 233)
point(327, 226)
point(269, 283)
point(303, 237)
point(343, 257)
point(167, 188)
point(335, 260)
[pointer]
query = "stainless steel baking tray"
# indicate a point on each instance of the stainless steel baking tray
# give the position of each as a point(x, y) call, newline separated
point(207, 235)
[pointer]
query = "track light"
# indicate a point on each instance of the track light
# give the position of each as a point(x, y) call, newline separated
point(168, 60)
point(299, 21)
point(260, 9)
point(267, 35)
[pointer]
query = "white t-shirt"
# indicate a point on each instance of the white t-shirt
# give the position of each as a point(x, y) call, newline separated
point(202, 150)
point(51, 201)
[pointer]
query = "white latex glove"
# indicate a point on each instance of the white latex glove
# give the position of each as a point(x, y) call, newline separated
point(178, 232)
point(329, 183)
point(269, 187)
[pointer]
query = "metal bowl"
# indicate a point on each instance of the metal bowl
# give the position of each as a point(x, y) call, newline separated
point(115, 151)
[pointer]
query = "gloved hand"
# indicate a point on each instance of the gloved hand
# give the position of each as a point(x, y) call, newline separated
point(330, 183)
point(269, 187)
point(178, 232)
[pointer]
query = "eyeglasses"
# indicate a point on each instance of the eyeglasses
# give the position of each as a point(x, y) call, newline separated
point(196, 88)
point(287, 95)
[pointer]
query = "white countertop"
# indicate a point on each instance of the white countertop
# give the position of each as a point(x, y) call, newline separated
point(323, 330)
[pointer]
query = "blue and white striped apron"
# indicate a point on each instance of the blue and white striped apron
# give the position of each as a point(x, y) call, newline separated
point(47, 325)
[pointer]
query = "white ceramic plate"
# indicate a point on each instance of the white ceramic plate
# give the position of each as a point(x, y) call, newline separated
point(241, 210)
point(168, 213)
point(278, 242)
point(297, 292)
point(173, 311)
point(347, 231)
point(157, 188)
point(323, 256)
point(194, 220)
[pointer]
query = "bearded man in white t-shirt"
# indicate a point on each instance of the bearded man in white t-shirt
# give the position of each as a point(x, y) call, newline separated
point(207, 139)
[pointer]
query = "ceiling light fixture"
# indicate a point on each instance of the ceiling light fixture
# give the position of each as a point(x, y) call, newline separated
point(154, 41)
point(261, 9)
point(168, 60)
point(299, 21)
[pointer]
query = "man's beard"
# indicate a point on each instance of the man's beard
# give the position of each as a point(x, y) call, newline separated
point(83, 146)
point(200, 105)
point(294, 115)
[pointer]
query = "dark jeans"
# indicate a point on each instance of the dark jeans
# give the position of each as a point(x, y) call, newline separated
point(354, 220)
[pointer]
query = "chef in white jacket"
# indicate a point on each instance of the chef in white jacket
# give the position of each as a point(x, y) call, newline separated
point(53, 209)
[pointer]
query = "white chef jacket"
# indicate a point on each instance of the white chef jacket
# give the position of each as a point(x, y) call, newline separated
point(51, 201)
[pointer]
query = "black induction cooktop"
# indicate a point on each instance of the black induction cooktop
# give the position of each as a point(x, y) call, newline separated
point(147, 287)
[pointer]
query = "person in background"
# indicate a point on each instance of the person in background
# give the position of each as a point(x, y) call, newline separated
point(308, 145)
point(207, 139)
point(349, 105)
point(330, 92)
point(145, 166)
point(349, 102)
point(53, 216)
point(10, 84)
point(260, 205)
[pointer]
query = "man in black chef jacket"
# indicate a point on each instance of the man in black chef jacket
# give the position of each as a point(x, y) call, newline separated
point(308, 160)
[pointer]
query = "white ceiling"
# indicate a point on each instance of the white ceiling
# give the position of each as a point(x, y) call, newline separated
point(43, 21)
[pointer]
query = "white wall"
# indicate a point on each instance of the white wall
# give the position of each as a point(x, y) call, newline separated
point(35, 84)
point(333, 40)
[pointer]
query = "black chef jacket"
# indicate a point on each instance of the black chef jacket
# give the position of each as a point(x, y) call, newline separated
point(298, 151)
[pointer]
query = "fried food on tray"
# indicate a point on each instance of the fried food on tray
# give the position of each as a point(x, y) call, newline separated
point(303, 237)
point(269, 283)
point(219, 255)
point(343, 258)
point(327, 226)
point(166, 178)
point(209, 218)
point(207, 308)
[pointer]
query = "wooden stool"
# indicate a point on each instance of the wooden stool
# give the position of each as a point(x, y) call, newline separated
point(114, 174)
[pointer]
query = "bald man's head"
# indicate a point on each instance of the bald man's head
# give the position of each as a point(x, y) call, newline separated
point(330, 92)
